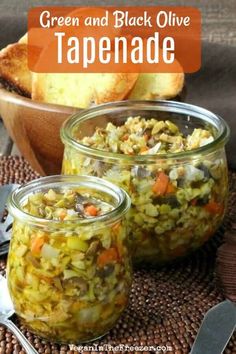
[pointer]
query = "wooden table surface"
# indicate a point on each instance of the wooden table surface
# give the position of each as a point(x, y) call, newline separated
point(218, 26)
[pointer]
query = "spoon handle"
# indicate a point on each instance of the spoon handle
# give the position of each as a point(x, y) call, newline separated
point(19, 335)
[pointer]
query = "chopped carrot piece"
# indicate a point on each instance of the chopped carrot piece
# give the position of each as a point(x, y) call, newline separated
point(125, 137)
point(214, 208)
point(91, 210)
point(37, 244)
point(62, 215)
point(161, 184)
point(107, 256)
point(170, 188)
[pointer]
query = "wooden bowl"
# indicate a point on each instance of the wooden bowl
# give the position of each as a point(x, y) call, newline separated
point(35, 129)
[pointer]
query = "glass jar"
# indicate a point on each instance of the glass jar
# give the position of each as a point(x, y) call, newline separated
point(165, 227)
point(73, 285)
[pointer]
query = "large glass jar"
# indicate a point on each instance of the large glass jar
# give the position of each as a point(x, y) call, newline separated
point(162, 227)
point(69, 279)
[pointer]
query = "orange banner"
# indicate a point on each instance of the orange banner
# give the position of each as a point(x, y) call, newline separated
point(114, 39)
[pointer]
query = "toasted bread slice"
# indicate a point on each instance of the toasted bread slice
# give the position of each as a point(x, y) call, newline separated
point(24, 39)
point(157, 85)
point(113, 87)
point(81, 90)
point(14, 67)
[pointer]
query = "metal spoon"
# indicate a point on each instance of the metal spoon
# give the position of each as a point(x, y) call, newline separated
point(6, 311)
point(6, 222)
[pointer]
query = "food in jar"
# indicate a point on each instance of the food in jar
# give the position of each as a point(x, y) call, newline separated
point(69, 280)
point(65, 205)
point(139, 137)
point(177, 203)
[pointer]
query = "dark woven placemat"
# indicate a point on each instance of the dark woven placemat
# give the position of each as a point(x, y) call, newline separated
point(166, 306)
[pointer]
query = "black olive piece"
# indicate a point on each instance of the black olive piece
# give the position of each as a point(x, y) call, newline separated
point(141, 172)
point(147, 131)
point(79, 208)
point(82, 202)
point(92, 248)
point(203, 201)
point(106, 270)
point(80, 199)
point(172, 201)
point(154, 174)
point(196, 184)
point(181, 182)
point(78, 282)
point(157, 201)
point(204, 169)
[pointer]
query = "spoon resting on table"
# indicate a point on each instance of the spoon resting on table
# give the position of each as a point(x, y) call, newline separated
point(6, 311)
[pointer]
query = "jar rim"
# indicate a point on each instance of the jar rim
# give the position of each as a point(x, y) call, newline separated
point(161, 105)
point(17, 196)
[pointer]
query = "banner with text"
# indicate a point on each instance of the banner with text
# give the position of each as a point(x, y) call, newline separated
point(114, 39)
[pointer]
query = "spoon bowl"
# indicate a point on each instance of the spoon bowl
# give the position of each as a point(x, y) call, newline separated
point(6, 311)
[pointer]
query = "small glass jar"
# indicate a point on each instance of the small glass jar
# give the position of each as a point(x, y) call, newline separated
point(163, 227)
point(69, 280)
